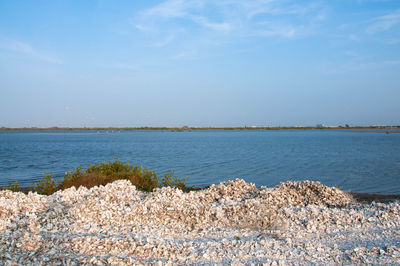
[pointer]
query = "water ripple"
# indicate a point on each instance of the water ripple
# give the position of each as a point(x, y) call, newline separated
point(354, 161)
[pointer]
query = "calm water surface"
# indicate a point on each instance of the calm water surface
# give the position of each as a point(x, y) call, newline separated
point(362, 162)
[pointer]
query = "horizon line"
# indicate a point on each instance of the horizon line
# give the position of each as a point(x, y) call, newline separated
point(321, 126)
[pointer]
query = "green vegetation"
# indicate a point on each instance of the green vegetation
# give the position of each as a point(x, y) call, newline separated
point(46, 185)
point(14, 187)
point(104, 173)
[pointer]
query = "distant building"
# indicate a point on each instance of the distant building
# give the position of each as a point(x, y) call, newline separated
point(320, 125)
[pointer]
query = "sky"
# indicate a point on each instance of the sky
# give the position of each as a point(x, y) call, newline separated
point(199, 63)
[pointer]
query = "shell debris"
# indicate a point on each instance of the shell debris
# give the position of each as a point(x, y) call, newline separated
point(233, 222)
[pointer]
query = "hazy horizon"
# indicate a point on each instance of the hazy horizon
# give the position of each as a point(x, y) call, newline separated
point(211, 127)
point(199, 63)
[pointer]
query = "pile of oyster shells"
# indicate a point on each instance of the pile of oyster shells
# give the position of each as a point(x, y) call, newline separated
point(230, 223)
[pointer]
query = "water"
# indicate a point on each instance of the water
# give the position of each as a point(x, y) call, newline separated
point(361, 162)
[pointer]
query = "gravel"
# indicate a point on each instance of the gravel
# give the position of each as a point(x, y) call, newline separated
point(231, 223)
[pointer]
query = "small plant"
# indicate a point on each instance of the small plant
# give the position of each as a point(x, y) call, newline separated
point(238, 238)
point(73, 175)
point(170, 181)
point(14, 187)
point(46, 185)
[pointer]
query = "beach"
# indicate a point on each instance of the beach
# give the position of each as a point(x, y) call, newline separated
point(200, 132)
point(231, 223)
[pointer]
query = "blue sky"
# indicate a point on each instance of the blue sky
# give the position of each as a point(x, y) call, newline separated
point(199, 63)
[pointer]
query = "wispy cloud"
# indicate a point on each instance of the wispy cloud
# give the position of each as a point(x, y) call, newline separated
point(164, 42)
point(384, 23)
point(142, 27)
point(261, 17)
point(26, 49)
point(121, 66)
point(273, 29)
point(204, 22)
point(186, 28)
point(173, 8)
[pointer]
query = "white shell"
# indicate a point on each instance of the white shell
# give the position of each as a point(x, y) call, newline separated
point(230, 223)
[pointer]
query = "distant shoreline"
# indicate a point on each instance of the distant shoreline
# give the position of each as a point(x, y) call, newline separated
point(375, 129)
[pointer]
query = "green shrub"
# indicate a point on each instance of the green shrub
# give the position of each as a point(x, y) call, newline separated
point(72, 176)
point(14, 187)
point(46, 185)
point(169, 181)
point(106, 172)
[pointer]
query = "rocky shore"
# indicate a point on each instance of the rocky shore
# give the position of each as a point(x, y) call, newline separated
point(230, 223)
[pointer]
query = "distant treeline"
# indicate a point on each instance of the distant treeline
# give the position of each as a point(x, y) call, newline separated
point(185, 128)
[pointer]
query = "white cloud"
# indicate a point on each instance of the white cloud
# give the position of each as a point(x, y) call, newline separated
point(196, 25)
point(121, 66)
point(204, 22)
point(164, 42)
point(179, 9)
point(184, 54)
point(142, 28)
point(271, 30)
point(264, 18)
point(26, 49)
point(172, 9)
point(384, 23)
